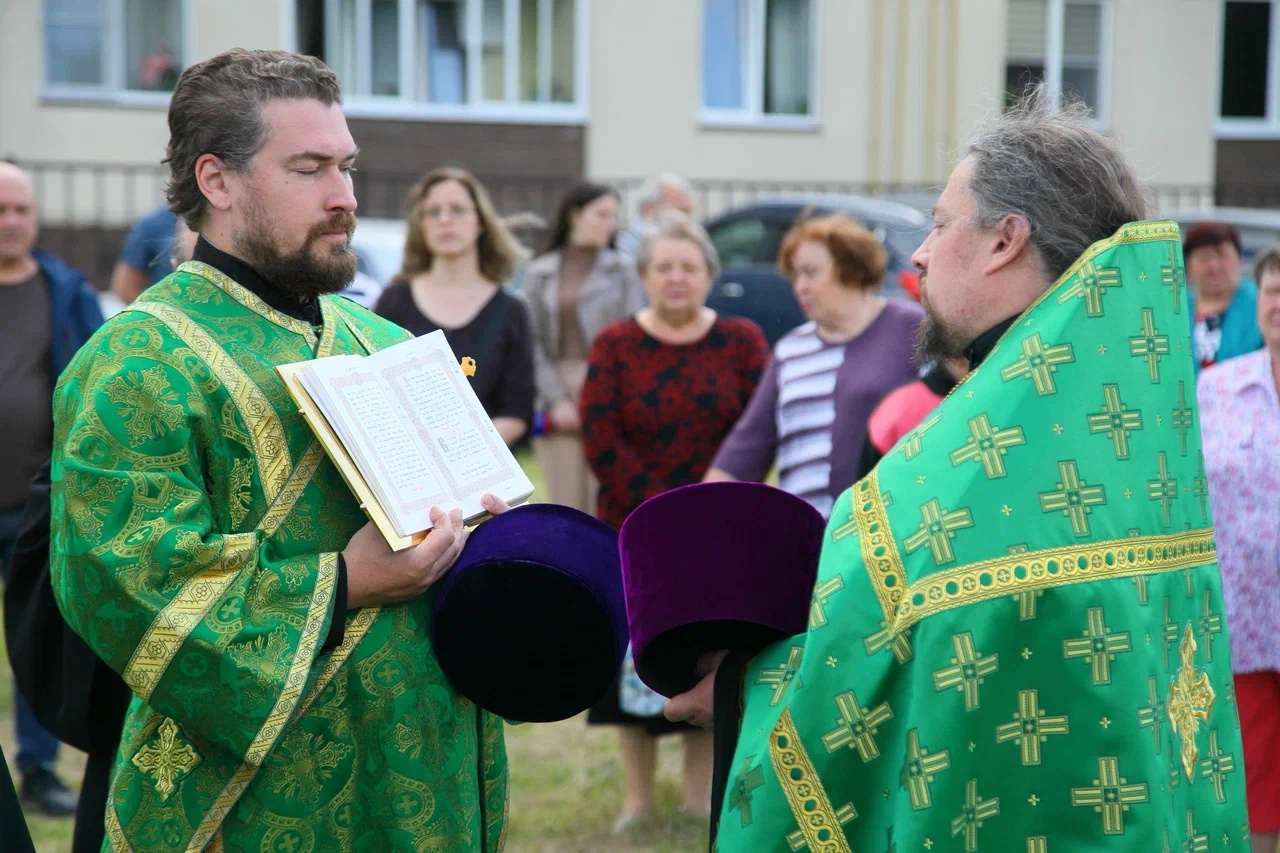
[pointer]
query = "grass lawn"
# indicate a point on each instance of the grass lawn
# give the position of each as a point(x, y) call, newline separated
point(566, 784)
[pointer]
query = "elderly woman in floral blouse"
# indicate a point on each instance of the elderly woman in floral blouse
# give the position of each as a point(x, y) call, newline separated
point(1240, 421)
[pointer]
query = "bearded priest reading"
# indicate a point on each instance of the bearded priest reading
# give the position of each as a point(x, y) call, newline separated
point(1016, 639)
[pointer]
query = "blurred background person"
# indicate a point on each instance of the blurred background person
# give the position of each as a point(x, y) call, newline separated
point(1223, 304)
point(905, 408)
point(184, 244)
point(809, 415)
point(144, 259)
point(49, 310)
point(662, 391)
point(658, 195)
point(457, 255)
point(578, 285)
point(1240, 423)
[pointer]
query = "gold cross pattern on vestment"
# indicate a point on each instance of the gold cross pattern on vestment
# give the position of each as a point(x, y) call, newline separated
point(886, 637)
point(1191, 699)
point(1073, 497)
point(168, 759)
point(937, 529)
point(976, 810)
point(1091, 283)
point(918, 770)
point(1163, 488)
point(858, 726)
point(1111, 796)
point(1099, 645)
point(1031, 727)
point(1115, 420)
point(969, 671)
point(1040, 363)
point(1175, 277)
point(740, 794)
point(780, 677)
point(1152, 715)
point(1183, 417)
point(1149, 344)
point(1217, 766)
point(822, 592)
point(988, 445)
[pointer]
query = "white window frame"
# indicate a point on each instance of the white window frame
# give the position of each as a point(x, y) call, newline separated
point(1267, 127)
point(1054, 56)
point(752, 115)
point(113, 89)
point(361, 104)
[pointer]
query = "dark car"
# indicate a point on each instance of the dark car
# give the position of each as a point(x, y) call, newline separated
point(748, 239)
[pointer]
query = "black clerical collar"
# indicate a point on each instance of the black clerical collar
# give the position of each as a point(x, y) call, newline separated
point(306, 309)
point(938, 379)
point(986, 342)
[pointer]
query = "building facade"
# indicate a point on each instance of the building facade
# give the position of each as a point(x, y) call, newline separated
point(744, 97)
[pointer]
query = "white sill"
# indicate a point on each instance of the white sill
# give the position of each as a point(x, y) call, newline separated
point(731, 120)
point(491, 112)
point(1247, 129)
point(103, 97)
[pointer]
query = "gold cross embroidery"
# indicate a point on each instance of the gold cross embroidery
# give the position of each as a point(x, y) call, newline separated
point(1116, 420)
point(913, 443)
point(1039, 844)
point(1207, 625)
point(1140, 581)
point(779, 678)
point(1111, 796)
point(937, 530)
point(1217, 766)
point(976, 810)
point(1175, 277)
point(1168, 632)
point(1190, 700)
point(969, 671)
point(1030, 727)
point(1149, 344)
point(166, 761)
point(919, 769)
point(1153, 714)
point(1200, 490)
point(988, 444)
point(886, 637)
point(1099, 645)
point(1092, 284)
point(1040, 363)
point(1074, 498)
point(740, 794)
point(857, 728)
point(845, 814)
point(1027, 603)
point(1183, 416)
point(1196, 842)
point(1163, 488)
point(822, 592)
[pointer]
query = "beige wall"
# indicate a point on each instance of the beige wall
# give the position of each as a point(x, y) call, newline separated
point(1166, 73)
point(898, 87)
point(32, 129)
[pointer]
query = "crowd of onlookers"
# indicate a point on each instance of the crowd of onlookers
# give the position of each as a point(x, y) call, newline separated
point(610, 362)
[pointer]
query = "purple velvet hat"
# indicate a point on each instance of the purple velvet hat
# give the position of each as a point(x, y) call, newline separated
point(530, 624)
point(715, 566)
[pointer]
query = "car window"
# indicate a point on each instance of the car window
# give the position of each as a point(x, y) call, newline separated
point(737, 241)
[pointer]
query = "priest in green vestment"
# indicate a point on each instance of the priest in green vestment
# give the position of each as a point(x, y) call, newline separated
point(1017, 638)
point(286, 693)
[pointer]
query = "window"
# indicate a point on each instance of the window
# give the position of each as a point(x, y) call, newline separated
point(97, 46)
point(758, 61)
point(1250, 62)
point(738, 241)
point(1064, 44)
point(447, 56)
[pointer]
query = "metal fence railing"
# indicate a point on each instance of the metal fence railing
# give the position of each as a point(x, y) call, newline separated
point(87, 208)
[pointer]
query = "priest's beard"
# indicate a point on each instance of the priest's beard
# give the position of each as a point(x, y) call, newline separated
point(302, 273)
point(935, 340)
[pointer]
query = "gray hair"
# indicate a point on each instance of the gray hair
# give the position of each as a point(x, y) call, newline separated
point(216, 109)
point(677, 226)
point(650, 192)
point(1071, 184)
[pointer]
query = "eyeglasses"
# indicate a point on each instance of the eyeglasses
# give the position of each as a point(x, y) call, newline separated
point(453, 211)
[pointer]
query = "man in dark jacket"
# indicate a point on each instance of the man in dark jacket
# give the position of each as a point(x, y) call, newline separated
point(49, 311)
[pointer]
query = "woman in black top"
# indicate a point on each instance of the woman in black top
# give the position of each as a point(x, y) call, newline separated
point(457, 254)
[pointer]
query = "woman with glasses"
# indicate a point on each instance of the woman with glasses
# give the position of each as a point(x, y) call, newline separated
point(576, 287)
point(457, 254)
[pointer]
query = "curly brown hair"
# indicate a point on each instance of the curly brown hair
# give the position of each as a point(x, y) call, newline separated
point(860, 257)
point(497, 250)
point(216, 109)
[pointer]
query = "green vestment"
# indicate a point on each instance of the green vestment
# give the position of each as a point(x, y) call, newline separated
point(197, 554)
point(1017, 640)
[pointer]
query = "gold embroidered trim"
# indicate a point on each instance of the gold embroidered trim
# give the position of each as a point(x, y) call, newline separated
point(174, 624)
point(879, 549)
point(1052, 567)
point(265, 430)
point(273, 727)
point(810, 806)
point(288, 497)
point(115, 832)
point(354, 634)
point(248, 299)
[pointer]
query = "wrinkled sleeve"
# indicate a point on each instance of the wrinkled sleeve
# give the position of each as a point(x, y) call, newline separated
point(749, 449)
point(139, 570)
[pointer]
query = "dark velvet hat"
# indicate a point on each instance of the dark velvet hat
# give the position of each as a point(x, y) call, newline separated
point(715, 566)
point(530, 624)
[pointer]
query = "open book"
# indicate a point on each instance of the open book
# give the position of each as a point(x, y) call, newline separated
point(408, 433)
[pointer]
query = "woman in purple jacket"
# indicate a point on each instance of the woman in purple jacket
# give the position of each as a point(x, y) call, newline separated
point(809, 413)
